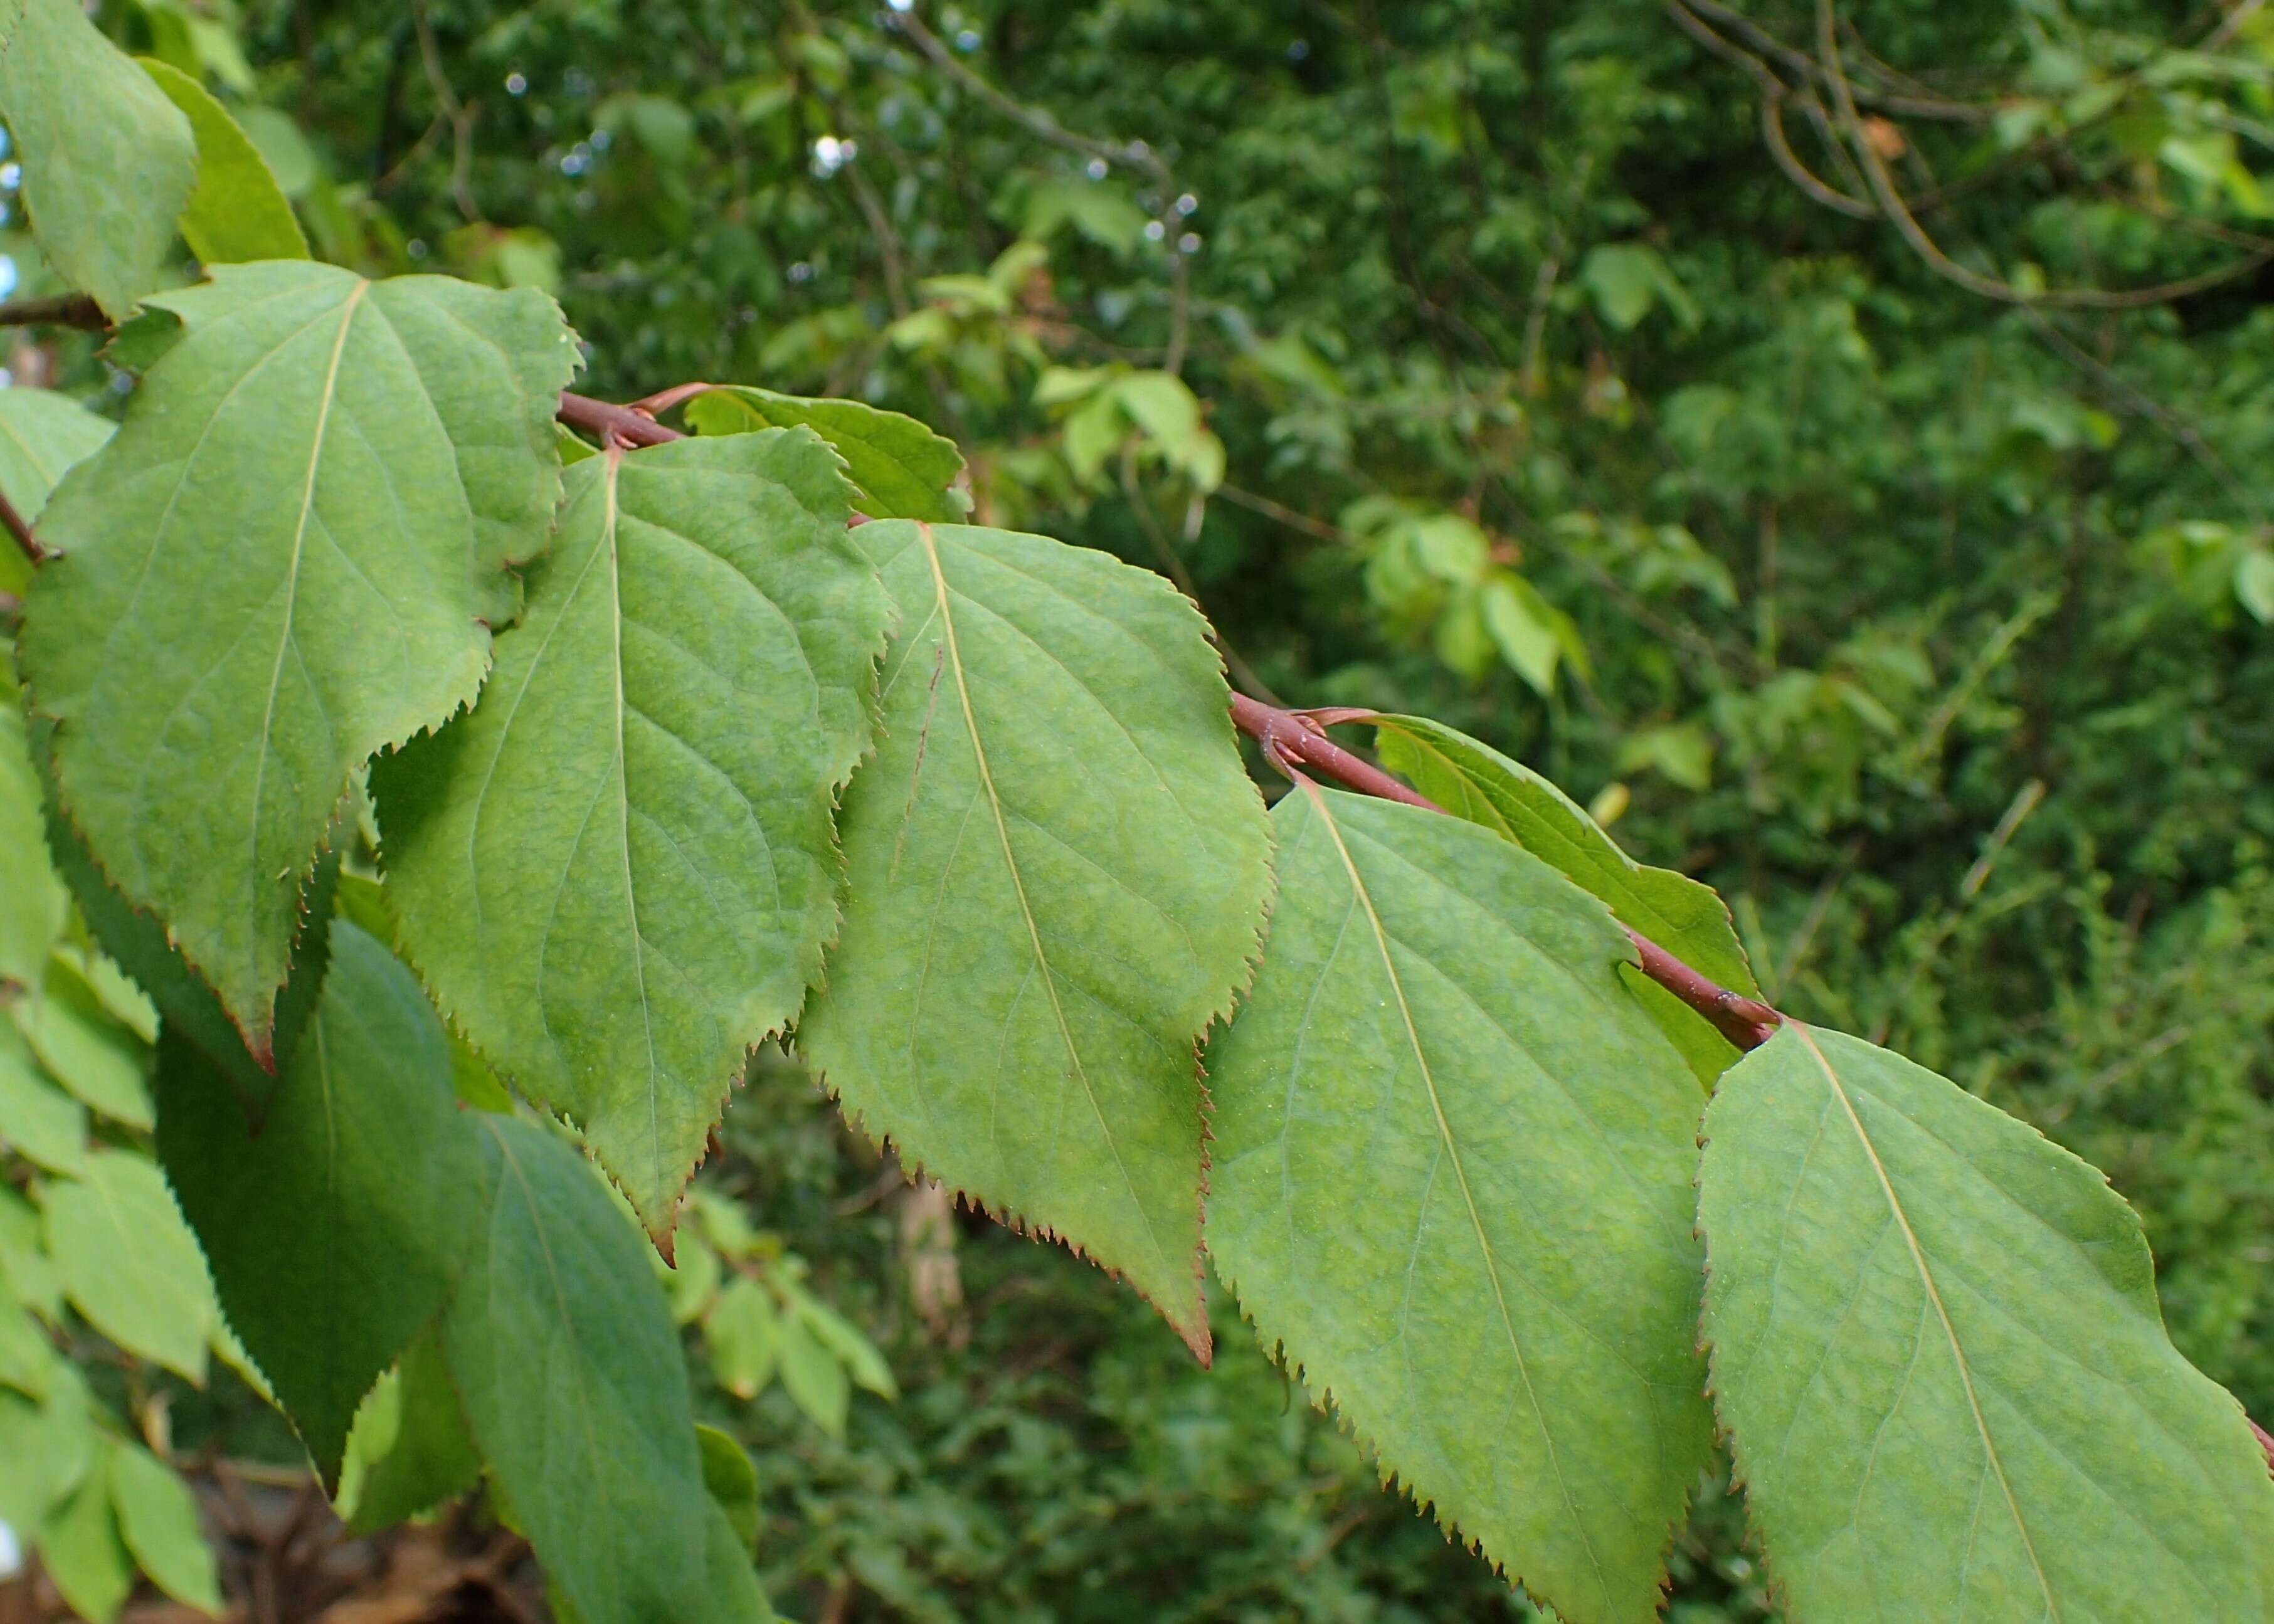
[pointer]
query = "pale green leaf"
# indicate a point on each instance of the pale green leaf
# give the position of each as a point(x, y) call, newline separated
point(237, 211)
point(743, 1334)
point(336, 1218)
point(565, 1357)
point(696, 667)
point(409, 1451)
point(42, 434)
point(129, 1263)
point(1474, 781)
point(861, 1358)
point(27, 1359)
point(26, 1269)
point(83, 1048)
point(395, 454)
point(1937, 1350)
point(108, 161)
point(37, 1119)
point(811, 1375)
point(48, 1445)
point(2254, 582)
point(902, 470)
point(82, 1552)
point(158, 1516)
point(1452, 1184)
point(1056, 877)
point(32, 906)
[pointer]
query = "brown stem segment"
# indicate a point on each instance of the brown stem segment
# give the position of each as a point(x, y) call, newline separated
point(1291, 738)
point(65, 310)
point(14, 522)
point(2265, 1442)
point(604, 419)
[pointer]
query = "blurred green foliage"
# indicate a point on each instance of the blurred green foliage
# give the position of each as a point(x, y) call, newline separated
point(1477, 358)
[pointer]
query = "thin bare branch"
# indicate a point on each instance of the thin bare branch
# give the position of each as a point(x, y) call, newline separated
point(14, 524)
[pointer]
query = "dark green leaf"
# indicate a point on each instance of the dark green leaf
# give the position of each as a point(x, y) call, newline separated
point(334, 1219)
point(565, 1357)
point(409, 1451)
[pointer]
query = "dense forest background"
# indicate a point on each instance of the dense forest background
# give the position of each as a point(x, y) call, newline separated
point(1829, 440)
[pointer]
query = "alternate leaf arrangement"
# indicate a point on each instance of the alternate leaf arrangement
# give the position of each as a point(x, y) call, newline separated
point(674, 745)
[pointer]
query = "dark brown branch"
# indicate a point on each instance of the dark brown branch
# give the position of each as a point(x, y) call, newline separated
point(21, 531)
point(64, 309)
point(1292, 740)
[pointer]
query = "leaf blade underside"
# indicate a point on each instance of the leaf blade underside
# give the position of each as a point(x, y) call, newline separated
point(1472, 780)
point(1452, 1184)
point(1936, 1349)
point(363, 470)
point(1056, 877)
point(696, 665)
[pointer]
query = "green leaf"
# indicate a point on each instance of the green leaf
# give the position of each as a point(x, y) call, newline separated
point(2254, 582)
point(565, 1357)
point(37, 1119)
point(811, 1375)
point(743, 1333)
point(192, 1010)
point(697, 663)
point(108, 161)
point(129, 1262)
point(237, 211)
point(859, 1356)
point(82, 1552)
point(374, 454)
point(1452, 1183)
point(33, 907)
point(902, 470)
point(26, 1269)
point(336, 1219)
point(1056, 874)
point(27, 1359)
point(42, 434)
point(731, 1481)
point(409, 1451)
point(1937, 1350)
point(49, 1447)
point(83, 1048)
point(1476, 782)
point(158, 1516)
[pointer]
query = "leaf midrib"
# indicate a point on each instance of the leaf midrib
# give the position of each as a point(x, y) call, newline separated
point(292, 586)
point(1934, 1296)
point(1018, 881)
point(1461, 1176)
